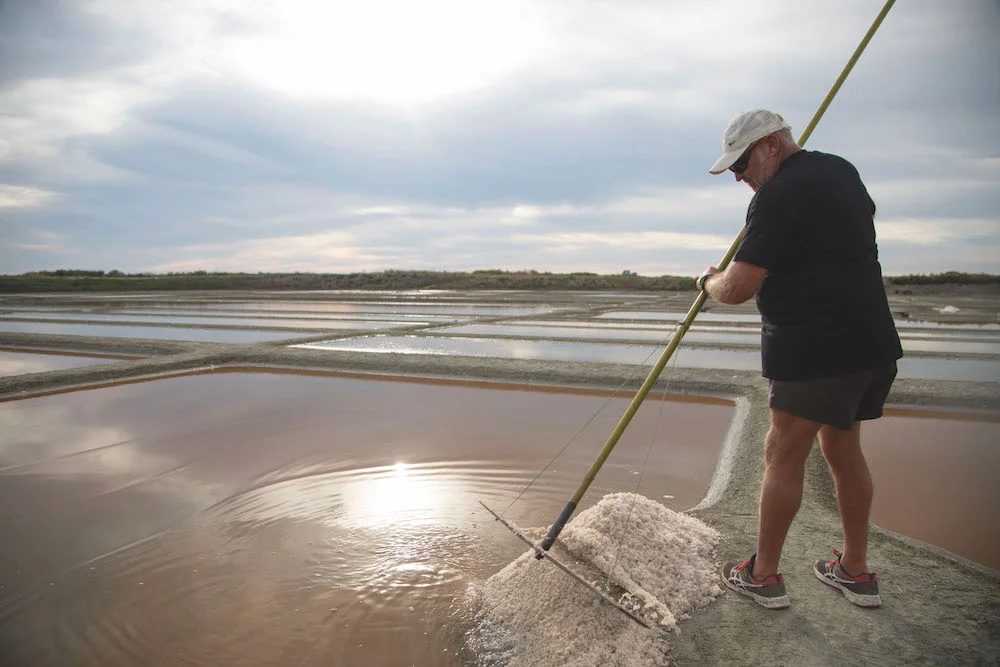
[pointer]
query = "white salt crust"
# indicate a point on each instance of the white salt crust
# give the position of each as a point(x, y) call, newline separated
point(535, 614)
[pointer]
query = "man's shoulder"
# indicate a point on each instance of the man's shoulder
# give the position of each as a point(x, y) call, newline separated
point(800, 173)
point(806, 170)
point(772, 199)
point(804, 161)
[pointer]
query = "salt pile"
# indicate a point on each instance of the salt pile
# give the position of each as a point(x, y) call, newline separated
point(535, 614)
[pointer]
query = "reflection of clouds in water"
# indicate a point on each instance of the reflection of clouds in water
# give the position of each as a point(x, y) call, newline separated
point(47, 431)
point(20, 366)
point(494, 347)
point(76, 441)
point(124, 459)
point(524, 349)
point(236, 593)
point(948, 346)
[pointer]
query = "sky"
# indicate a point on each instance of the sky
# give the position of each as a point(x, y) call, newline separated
point(555, 135)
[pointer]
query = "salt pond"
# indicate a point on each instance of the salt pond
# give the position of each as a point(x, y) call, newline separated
point(234, 518)
point(932, 368)
point(280, 518)
point(174, 333)
point(19, 362)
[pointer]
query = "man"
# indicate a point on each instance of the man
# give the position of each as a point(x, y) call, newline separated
point(828, 343)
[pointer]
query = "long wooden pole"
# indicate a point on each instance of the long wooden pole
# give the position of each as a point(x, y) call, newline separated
point(564, 516)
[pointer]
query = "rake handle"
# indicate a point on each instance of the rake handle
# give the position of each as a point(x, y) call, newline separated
point(564, 516)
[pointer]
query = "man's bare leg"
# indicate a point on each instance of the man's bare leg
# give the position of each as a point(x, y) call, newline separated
point(785, 451)
point(842, 450)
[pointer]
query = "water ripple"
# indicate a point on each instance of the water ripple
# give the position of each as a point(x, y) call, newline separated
point(305, 568)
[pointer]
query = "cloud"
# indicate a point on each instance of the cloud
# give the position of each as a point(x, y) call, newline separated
point(364, 237)
point(38, 240)
point(635, 241)
point(286, 253)
point(933, 232)
point(19, 196)
point(50, 39)
point(555, 135)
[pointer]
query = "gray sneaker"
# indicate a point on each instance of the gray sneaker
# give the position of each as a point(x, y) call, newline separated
point(862, 590)
point(768, 592)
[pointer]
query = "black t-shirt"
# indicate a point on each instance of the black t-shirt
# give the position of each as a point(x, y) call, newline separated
point(822, 303)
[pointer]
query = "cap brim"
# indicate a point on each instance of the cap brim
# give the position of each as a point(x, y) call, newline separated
point(727, 160)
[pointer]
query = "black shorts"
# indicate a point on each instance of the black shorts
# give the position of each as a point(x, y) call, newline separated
point(838, 401)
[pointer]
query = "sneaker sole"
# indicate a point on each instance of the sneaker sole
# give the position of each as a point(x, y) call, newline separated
point(859, 599)
point(767, 603)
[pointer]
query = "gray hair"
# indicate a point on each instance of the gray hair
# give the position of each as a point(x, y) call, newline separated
point(786, 133)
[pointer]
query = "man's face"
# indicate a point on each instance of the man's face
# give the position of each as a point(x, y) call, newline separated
point(760, 168)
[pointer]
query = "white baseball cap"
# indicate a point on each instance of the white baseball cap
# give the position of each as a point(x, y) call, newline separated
point(742, 131)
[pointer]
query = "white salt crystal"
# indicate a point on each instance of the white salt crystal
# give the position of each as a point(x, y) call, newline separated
point(532, 613)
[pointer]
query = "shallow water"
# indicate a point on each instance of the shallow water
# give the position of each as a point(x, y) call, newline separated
point(655, 335)
point(384, 307)
point(281, 519)
point(17, 362)
point(285, 315)
point(177, 333)
point(278, 519)
point(716, 335)
point(951, 346)
point(679, 316)
point(200, 320)
point(930, 368)
point(550, 350)
point(935, 479)
point(982, 328)
point(988, 327)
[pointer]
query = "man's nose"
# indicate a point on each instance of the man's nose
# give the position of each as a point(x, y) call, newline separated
point(739, 176)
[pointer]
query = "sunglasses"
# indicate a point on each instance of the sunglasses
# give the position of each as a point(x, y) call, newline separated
point(741, 165)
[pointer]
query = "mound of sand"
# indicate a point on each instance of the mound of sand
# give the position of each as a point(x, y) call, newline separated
point(534, 614)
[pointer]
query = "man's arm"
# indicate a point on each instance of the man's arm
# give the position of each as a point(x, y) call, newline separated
point(736, 284)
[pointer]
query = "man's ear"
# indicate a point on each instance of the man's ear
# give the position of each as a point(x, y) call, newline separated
point(773, 144)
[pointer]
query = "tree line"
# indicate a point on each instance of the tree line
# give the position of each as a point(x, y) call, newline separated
point(69, 280)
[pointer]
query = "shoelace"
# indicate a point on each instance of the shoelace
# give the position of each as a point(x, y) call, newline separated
point(836, 570)
point(749, 580)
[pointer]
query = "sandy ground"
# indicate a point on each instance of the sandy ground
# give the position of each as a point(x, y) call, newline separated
point(938, 608)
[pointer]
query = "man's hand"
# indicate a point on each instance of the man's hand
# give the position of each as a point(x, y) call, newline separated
point(703, 278)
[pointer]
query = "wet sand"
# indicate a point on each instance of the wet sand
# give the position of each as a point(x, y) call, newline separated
point(246, 518)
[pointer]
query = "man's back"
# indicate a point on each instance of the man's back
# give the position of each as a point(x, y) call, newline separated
point(822, 303)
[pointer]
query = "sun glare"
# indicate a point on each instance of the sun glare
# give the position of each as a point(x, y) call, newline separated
point(400, 494)
point(385, 50)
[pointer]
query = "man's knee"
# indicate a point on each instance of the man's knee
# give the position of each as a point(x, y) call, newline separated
point(841, 448)
point(789, 439)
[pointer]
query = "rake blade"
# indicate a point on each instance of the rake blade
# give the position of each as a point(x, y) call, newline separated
point(541, 553)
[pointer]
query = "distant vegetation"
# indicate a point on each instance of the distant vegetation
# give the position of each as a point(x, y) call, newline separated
point(69, 280)
point(947, 278)
point(73, 280)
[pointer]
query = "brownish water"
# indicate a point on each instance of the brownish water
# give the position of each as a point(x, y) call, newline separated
point(936, 479)
point(292, 519)
point(15, 361)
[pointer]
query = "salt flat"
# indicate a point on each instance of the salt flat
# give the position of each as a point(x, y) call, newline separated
point(957, 620)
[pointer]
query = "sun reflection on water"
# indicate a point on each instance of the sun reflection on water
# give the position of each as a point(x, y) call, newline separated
point(398, 494)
